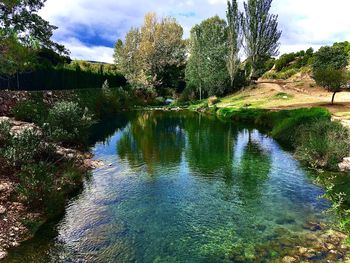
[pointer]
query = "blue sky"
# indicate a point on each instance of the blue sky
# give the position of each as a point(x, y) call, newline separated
point(89, 28)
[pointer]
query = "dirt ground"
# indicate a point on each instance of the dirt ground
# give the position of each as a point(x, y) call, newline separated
point(277, 95)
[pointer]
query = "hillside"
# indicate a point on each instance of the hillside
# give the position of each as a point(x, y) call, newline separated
point(289, 94)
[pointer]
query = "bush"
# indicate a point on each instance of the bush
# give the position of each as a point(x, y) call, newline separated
point(30, 111)
point(36, 183)
point(68, 124)
point(5, 135)
point(285, 124)
point(28, 147)
point(323, 144)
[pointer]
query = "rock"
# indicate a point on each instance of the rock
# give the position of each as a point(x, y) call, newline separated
point(312, 226)
point(344, 165)
point(2, 210)
point(3, 254)
point(302, 250)
point(93, 164)
point(288, 259)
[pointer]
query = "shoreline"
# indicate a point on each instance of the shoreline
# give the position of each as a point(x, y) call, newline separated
point(18, 221)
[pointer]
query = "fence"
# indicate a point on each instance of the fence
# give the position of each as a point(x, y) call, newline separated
point(61, 79)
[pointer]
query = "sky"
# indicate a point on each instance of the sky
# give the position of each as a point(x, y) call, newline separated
point(89, 28)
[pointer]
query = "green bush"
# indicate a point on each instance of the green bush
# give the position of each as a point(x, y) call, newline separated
point(323, 144)
point(30, 111)
point(5, 135)
point(285, 124)
point(28, 147)
point(36, 183)
point(68, 123)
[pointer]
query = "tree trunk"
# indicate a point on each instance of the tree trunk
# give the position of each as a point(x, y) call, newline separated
point(333, 97)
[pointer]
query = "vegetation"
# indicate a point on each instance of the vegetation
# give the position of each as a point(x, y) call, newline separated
point(233, 40)
point(333, 80)
point(317, 140)
point(206, 69)
point(323, 144)
point(68, 124)
point(261, 34)
point(154, 54)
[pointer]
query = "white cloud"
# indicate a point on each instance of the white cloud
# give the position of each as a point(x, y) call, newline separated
point(94, 53)
point(90, 22)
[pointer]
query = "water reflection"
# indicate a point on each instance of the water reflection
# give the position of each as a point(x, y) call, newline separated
point(180, 187)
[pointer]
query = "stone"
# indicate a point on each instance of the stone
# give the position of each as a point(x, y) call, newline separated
point(3, 254)
point(2, 210)
point(344, 165)
point(288, 259)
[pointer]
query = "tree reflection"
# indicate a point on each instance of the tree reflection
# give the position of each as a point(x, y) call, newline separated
point(210, 146)
point(153, 138)
point(253, 168)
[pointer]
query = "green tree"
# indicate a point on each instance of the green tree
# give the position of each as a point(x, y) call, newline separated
point(21, 16)
point(332, 79)
point(261, 34)
point(234, 39)
point(330, 57)
point(151, 54)
point(206, 68)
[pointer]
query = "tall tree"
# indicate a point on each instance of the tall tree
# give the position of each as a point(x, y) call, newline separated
point(20, 16)
point(207, 65)
point(234, 39)
point(152, 53)
point(260, 31)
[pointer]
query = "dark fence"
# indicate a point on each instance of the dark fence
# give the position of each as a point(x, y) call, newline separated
point(61, 79)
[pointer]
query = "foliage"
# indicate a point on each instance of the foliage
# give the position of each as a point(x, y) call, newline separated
point(30, 111)
point(233, 39)
point(280, 75)
point(68, 124)
point(22, 17)
point(331, 79)
point(323, 144)
point(5, 135)
point(14, 56)
point(36, 183)
point(154, 54)
point(330, 57)
point(206, 70)
point(260, 31)
point(77, 75)
point(27, 147)
point(282, 125)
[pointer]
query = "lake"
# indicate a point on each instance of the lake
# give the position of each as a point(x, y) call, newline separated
point(181, 187)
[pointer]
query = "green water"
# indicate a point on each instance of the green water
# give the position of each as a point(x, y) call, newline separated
point(180, 187)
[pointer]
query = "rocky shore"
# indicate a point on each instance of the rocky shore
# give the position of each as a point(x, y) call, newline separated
point(17, 222)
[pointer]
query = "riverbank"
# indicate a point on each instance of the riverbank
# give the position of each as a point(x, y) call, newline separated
point(19, 218)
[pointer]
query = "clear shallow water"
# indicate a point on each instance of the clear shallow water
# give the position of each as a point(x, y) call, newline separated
point(179, 187)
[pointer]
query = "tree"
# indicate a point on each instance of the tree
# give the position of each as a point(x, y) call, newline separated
point(330, 57)
point(154, 52)
point(20, 17)
point(234, 39)
point(261, 34)
point(331, 79)
point(207, 65)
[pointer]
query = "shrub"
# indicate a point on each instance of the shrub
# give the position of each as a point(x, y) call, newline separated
point(5, 135)
point(30, 111)
point(36, 183)
point(68, 123)
point(28, 147)
point(285, 124)
point(323, 144)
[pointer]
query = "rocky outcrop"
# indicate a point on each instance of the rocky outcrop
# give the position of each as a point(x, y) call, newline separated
point(344, 166)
